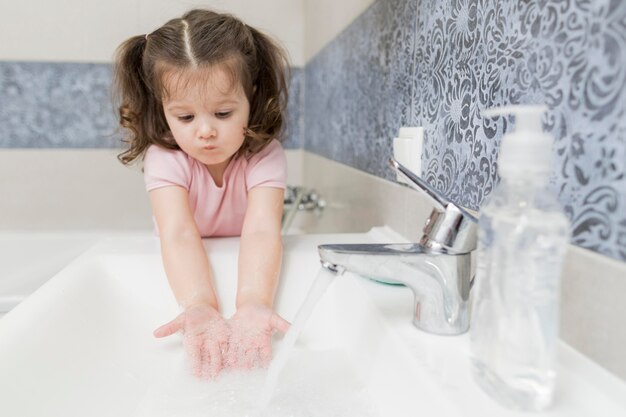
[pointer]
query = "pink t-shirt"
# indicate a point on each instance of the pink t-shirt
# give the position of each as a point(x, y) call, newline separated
point(218, 211)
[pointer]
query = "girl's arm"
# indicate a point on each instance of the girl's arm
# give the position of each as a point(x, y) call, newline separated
point(188, 271)
point(260, 256)
point(260, 253)
point(184, 258)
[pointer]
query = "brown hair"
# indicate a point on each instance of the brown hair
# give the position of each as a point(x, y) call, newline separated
point(198, 39)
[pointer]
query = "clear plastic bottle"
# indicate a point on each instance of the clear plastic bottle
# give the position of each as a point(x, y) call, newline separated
point(522, 238)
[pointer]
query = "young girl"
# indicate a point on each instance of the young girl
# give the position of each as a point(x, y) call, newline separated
point(203, 98)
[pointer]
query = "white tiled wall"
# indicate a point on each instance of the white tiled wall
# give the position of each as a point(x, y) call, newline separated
point(90, 30)
point(325, 19)
point(70, 189)
point(80, 189)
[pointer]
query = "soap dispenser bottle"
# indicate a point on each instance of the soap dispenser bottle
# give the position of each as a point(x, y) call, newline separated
point(522, 237)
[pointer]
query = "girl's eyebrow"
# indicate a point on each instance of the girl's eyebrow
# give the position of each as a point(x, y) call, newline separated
point(182, 106)
point(228, 101)
point(177, 107)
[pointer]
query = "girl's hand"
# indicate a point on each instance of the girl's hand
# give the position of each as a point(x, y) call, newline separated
point(205, 338)
point(251, 331)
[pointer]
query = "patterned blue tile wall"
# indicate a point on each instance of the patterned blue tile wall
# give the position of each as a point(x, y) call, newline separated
point(69, 105)
point(439, 64)
point(56, 105)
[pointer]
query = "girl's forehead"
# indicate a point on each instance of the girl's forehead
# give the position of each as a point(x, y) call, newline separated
point(207, 83)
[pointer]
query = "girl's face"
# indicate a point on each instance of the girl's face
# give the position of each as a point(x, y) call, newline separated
point(208, 119)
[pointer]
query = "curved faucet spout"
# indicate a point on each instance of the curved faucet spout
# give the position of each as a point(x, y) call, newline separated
point(440, 279)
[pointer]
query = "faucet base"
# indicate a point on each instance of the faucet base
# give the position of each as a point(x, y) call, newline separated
point(440, 279)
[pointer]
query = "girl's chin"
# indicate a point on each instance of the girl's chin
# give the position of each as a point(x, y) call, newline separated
point(208, 161)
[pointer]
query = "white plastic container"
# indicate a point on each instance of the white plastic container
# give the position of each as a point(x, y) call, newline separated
point(522, 238)
point(407, 149)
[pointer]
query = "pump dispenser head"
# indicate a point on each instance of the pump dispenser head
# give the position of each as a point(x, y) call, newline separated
point(526, 151)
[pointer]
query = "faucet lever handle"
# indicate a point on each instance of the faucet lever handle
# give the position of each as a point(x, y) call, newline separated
point(439, 200)
point(420, 185)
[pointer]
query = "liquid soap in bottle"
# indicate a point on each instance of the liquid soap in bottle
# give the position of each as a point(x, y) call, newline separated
point(522, 237)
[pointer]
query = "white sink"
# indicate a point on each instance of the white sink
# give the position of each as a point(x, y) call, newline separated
point(82, 345)
point(20, 276)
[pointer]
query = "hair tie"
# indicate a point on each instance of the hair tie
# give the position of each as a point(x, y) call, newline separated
point(146, 36)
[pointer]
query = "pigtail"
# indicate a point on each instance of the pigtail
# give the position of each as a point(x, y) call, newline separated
point(268, 106)
point(139, 110)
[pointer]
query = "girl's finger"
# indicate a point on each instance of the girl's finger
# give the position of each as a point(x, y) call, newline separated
point(279, 323)
point(216, 360)
point(265, 355)
point(170, 328)
point(225, 354)
point(250, 359)
point(193, 346)
point(234, 354)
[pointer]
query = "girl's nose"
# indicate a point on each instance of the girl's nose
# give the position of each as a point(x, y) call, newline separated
point(206, 130)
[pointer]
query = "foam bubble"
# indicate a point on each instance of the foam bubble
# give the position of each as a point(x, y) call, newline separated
point(313, 384)
point(300, 382)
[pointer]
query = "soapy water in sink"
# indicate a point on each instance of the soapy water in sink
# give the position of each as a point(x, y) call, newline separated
point(300, 382)
point(313, 384)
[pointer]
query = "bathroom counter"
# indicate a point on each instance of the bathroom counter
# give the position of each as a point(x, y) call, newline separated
point(82, 344)
point(442, 367)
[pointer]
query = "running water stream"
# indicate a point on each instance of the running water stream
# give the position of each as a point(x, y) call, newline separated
point(323, 280)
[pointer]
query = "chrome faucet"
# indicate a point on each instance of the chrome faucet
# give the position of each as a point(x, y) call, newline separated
point(438, 269)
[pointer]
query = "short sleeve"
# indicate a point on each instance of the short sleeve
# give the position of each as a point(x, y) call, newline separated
point(164, 167)
point(268, 168)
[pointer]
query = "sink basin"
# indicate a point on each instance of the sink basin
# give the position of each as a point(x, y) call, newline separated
point(82, 345)
point(20, 276)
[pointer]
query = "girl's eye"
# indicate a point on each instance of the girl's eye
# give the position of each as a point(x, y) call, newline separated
point(223, 114)
point(187, 118)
